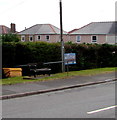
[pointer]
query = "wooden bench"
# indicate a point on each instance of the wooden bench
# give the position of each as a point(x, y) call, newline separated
point(40, 71)
point(32, 70)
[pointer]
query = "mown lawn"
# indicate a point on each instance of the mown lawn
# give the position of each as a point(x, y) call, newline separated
point(14, 80)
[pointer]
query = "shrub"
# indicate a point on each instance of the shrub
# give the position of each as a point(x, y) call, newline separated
point(10, 38)
point(87, 55)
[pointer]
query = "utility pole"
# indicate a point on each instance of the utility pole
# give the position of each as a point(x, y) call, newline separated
point(61, 36)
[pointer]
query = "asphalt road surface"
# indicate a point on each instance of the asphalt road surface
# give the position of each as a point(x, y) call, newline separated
point(96, 101)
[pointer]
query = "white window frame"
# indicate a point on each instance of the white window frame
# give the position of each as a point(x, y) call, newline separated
point(46, 37)
point(92, 41)
point(31, 37)
point(79, 38)
point(38, 37)
point(23, 38)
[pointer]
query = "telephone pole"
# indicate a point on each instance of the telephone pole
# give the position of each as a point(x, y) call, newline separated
point(61, 37)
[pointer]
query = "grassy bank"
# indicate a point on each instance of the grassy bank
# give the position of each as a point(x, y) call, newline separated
point(90, 72)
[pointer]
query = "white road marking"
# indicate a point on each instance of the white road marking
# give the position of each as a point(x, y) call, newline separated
point(103, 109)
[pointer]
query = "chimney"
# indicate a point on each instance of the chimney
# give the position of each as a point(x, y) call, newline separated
point(13, 28)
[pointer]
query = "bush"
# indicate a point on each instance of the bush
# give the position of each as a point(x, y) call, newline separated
point(8, 54)
point(87, 55)
point(10, 38)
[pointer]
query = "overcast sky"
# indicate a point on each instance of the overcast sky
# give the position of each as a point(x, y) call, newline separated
point(76, 13)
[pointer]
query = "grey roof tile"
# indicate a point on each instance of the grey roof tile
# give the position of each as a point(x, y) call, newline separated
point(97, 28)
point(42, 29)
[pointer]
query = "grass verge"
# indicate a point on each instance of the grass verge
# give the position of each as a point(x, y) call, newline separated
point(15, 80)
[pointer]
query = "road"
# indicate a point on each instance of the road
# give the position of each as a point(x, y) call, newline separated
point(96, 101)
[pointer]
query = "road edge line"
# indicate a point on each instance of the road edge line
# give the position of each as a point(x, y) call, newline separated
point(4, 97)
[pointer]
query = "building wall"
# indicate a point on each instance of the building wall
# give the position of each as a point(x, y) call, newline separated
point(52, 38)
point(101, 39)
point(26, 38)
point(66, 38)
point(111, 39)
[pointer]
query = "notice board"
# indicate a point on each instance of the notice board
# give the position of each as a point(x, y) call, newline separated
point(70, 58)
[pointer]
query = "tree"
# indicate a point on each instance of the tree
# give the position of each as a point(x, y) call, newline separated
point(10, 38)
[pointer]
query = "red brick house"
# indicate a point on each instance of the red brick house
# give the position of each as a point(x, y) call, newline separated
point(6, 30)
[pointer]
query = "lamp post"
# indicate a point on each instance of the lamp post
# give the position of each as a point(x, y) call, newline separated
point(61, 37)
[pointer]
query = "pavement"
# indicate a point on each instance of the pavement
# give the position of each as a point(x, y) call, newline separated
point(26, 89)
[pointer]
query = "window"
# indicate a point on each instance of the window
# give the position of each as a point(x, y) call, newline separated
point(23, 38)
point(94, 39)
point(39, 37)
point(31, 38)
point(78, 38)
point(47, 37)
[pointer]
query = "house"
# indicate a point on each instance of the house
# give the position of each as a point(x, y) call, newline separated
point(95, 32)
point(6, 30)
point(42, 32)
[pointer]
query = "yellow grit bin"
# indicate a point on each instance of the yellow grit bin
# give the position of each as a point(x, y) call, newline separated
point(12, 72)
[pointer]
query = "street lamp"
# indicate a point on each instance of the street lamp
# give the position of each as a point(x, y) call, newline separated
point(61, 37)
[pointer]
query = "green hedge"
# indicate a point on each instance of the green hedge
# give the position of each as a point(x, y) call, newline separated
point(94, 55)
point(87, 55)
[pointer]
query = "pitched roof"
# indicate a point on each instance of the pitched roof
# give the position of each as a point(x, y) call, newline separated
point(4, 29)
point(97, 28)
point(42, 29)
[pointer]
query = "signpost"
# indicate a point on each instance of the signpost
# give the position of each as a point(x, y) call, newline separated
point(70, 59)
